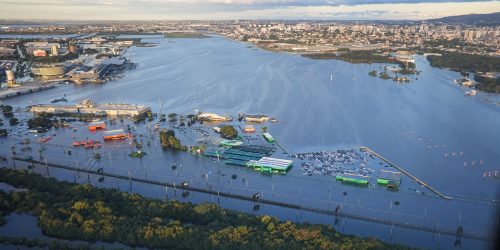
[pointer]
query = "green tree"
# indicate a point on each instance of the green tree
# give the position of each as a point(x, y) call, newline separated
point(228, 132)
point(13, 121)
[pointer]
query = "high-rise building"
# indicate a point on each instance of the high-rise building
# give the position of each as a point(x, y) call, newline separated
point(11, 79)
point(54, 50)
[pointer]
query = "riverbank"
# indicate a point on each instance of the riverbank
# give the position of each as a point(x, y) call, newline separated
point(72, 211)
point(185, 35)
point(475, 64)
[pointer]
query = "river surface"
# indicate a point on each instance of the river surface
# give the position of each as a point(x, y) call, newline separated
point(427, 126)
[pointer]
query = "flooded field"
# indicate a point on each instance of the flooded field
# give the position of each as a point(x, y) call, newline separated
point(428, 127)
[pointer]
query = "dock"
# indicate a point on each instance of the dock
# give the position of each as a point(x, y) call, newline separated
point(407, 174)
point(282, 148)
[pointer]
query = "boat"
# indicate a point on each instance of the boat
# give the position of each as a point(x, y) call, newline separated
point(45, 139)
point(61, 99)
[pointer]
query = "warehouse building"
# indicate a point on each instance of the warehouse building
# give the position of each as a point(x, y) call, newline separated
point(270, 165)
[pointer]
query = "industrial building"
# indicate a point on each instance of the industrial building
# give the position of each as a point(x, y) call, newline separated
point(249, 129)
point(269, 165)
point(256, 118)
point(89, 107)
point(97, 125)
point(48, 71)
point(212, 117)
point(40, 48)
point(269, 138)
point(112, 135)
point(39, 53)
point(389, 179)
point(230, 143)
point(353, 179)
point(95, 69)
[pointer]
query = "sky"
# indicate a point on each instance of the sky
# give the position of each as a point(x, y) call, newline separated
point(241, 9)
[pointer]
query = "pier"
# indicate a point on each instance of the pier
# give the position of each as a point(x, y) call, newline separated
point(407, 174)
point(282, 148)
point(337, 213)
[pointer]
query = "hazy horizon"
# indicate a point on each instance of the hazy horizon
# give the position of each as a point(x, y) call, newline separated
point(149, 10)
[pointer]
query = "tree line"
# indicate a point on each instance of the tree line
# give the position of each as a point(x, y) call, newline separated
point(83, 212)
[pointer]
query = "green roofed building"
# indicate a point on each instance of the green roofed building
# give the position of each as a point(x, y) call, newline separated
point(353, 179)
point(269, 138)
point(230, 143)
point(390, 179)
point(271, 165)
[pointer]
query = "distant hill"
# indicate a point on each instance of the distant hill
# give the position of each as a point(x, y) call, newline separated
point(492, 19)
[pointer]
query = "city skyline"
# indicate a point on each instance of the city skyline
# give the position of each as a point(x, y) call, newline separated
point(242, 9)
